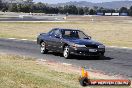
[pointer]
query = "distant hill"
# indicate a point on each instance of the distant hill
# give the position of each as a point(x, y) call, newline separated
point(113, 4)
point(17, 1)
point(12, 1)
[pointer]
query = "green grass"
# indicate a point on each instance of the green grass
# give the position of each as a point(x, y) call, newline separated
point(109, 33)
point(21, 72)
point(24, 72)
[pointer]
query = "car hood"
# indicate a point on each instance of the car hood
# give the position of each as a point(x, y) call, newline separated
point(84, 41)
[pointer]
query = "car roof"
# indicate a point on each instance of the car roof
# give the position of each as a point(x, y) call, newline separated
point(65, 29)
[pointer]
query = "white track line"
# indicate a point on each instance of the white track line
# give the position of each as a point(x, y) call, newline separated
point(66, 64)
point(24, 39)
point(43, 60)
point(11, 38)
point(21, 39)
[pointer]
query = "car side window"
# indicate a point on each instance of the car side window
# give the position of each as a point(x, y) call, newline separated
point(82, 35)
point(51, 33)
point(57, 33)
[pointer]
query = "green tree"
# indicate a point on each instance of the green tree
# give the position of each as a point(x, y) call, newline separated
point(123, 10)
point(86, 10)
point(13, 8)
point(19, 8)
point(61, 10)
point(95, 8)
point(72, 9)
point(130, 11)
point(92, 12)
point(1, 6)
point(101, 10)
point(66, 8)
point(5, 7)
point(24, 8)
point(39, 7)
point(81, 11)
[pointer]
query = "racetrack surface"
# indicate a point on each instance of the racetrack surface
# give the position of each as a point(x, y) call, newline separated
point(116, 61)
point(32, 18)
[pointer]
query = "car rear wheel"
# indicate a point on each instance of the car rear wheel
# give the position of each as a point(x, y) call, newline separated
point(43, 49)
point(66, 52)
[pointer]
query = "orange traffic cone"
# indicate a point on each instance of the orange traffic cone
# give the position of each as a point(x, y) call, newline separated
point(84, 72)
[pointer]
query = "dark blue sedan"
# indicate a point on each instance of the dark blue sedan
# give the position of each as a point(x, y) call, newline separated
point(69, 42)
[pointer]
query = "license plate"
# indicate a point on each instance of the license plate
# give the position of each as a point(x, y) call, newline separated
point(92, 50)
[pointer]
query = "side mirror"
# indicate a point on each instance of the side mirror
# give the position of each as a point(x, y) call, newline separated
point(89, 37)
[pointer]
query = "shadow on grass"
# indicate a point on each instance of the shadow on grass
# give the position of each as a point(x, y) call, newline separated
point(82, 57)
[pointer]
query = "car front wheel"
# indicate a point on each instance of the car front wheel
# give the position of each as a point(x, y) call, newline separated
point(43, 49)
point(66, 52)
point(100, 56)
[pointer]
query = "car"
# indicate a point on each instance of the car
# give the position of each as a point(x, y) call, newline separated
point(69, 42)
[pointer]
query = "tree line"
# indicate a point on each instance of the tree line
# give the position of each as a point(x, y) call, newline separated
point(39, 7)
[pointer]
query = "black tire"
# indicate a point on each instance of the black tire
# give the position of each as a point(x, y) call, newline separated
point(43, 49)
point(66, 52)
point(100, 56)
point(96, 57)
point(84, 81)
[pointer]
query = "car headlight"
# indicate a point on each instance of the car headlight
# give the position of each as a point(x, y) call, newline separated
point(77, 45)
point(101, 46)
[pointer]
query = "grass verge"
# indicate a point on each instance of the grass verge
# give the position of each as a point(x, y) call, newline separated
point(109, 33)
point(24, 72)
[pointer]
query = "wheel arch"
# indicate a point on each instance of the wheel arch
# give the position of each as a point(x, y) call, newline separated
point(41, 41)
point(65, 45)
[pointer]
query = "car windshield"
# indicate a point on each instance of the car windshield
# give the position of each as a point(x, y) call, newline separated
point(73, 34)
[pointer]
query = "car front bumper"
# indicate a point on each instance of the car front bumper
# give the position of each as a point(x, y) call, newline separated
point(84, 51)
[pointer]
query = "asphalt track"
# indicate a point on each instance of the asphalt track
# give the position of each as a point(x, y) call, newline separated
point(117, 61)
point(32, 18)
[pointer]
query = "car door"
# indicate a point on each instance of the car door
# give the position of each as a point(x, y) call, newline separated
point(58, 44)
point(54, 42)
point(50, 41)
